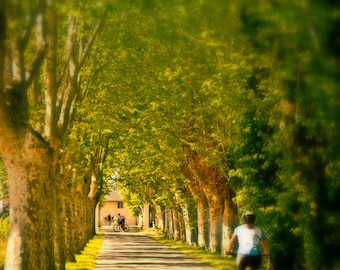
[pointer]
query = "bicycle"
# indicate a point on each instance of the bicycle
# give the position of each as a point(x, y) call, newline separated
point(266, 260)
point(120, 227)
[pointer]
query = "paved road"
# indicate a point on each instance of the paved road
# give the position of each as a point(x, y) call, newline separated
point(131, 250)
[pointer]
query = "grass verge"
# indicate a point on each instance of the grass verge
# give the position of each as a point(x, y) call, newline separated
point(84, 261)
point(87, 259)
point(3, 247)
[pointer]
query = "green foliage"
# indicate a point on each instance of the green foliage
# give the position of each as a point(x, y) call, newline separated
point(245, 84)
point(281, 157)
point(3, 181)
point(250, 85)
point(4, 228)
point(3, 247)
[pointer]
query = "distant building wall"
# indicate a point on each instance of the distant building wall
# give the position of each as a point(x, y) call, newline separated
point(146, 216)
point(114, 205)
point(113, 209)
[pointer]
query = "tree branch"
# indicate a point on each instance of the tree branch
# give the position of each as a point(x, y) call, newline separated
point(72, 90)
point(90, 42)
point(37, 61)
point(3, 30)
point(18, 48)
point(51, 83)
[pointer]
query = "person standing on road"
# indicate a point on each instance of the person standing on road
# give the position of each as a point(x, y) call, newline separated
point(109, 219)
point(249, 237)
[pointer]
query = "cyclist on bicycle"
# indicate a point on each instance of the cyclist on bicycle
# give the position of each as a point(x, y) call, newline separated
point(121, 220)
point(249, 236)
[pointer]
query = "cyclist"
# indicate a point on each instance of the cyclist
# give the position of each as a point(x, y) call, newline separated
point(121, 220)
point(249, 237)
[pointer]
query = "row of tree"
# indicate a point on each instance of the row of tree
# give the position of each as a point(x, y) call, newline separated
point(223, 107)
point(43, 51)
point(202, 108)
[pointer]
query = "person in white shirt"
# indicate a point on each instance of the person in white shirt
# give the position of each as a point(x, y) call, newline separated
point(249, 237)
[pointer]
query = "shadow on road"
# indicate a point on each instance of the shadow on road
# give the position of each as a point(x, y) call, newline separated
point(135, 251)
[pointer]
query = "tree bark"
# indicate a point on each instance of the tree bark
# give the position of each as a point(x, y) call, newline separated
point(36, 239)
point(215, 218)
point(229, 222)
point(203, 221)
point(159, 214)
point(67, 197)
point(59, 237)
point(170, 224)
point(215, 187)
point(176, 225)
point(187, 222)
point(29, 163)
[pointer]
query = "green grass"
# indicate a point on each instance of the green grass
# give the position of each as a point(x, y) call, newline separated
point(211, 258)
point(84, 261)
point(3, 247)
point(87, 259)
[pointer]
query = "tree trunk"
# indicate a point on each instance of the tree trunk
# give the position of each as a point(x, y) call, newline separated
point(188, 217)
point(201, 205)
point(67, 217)
point(170, 223)
point(159, 214)
point(229, 220)
point(187, 224)
point(59, 237)
point(32, 190)
point(78, 224)
point(94, 196)
point(176, 225)
point(215, 214)
point(215, 187)
point(79, 221)
point(203, 222)
point(36, 239)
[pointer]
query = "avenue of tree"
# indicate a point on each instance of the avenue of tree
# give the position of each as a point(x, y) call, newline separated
point(203, 109)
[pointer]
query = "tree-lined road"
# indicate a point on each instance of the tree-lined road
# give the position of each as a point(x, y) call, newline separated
point(122, 250)
point(201, 109)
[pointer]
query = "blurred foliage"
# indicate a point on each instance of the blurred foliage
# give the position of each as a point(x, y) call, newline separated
point(252, 86)
point(4, 227)
point(3, 181)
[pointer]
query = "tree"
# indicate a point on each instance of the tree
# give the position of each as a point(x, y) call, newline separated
point(300, 87)
point(39, 85)
point(241, 89)
point(165, 110)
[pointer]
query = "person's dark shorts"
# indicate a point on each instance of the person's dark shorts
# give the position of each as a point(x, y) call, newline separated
point(244, 261)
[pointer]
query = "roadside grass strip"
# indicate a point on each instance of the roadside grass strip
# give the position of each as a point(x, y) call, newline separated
point(87, 259)
point(3, 246)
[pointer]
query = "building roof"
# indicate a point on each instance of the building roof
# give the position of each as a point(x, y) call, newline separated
point(113, 196)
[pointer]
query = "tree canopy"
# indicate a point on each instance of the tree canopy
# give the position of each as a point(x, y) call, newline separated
point(205, 109)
